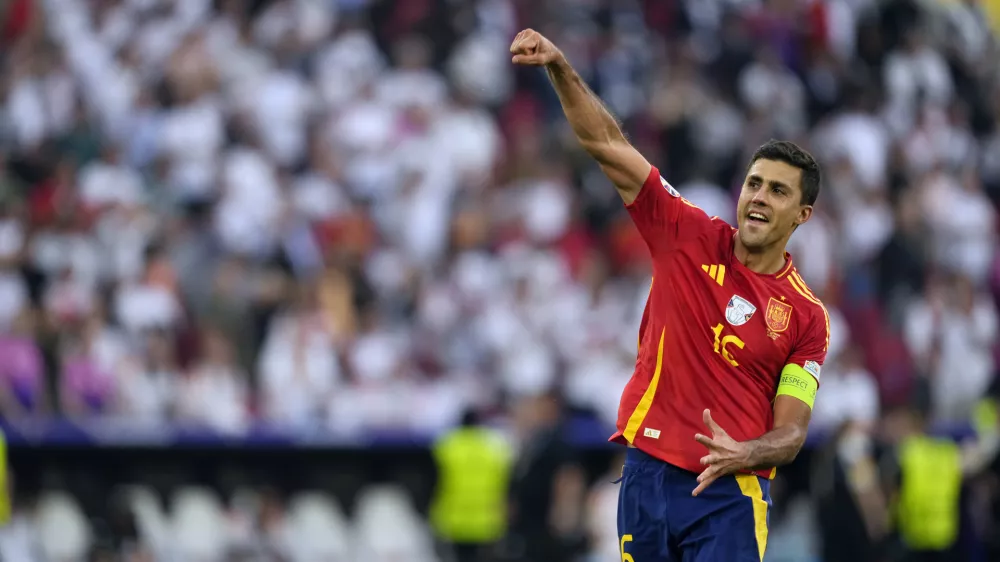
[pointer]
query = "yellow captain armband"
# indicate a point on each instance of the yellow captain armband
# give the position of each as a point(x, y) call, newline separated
point(798, 383)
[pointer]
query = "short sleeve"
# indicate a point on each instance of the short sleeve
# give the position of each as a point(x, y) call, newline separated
point(662, 216)
point(810, 351)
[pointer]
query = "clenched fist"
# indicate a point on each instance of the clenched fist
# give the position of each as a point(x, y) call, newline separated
point(532, 48)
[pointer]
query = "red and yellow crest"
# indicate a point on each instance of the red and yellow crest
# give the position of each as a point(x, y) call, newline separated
point(777, 315)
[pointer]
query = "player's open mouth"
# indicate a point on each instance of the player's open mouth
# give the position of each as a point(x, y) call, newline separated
point(757, 217)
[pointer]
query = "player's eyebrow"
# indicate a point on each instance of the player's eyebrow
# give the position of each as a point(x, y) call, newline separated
point(772, 183)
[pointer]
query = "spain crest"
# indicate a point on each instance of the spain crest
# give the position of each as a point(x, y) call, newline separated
point(777, 315)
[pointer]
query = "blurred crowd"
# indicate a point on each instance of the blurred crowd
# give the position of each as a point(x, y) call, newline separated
point(311, 212)
point(300, 211)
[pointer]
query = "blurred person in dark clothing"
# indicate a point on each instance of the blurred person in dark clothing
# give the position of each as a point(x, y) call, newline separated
point(124, 536)
point(227, 307)
point(986, 488)
point(272, 525)
point(851, 507)
point(547, 488)
point(902, 263)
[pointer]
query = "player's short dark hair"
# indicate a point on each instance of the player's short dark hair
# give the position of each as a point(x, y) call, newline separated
point(793, 155)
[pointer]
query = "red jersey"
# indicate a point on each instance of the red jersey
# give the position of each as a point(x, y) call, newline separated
point(714, 334)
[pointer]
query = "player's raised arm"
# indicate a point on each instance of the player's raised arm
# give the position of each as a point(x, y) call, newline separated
point(597, 130)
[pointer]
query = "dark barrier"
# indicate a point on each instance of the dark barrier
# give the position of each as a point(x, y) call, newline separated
point(91, 459)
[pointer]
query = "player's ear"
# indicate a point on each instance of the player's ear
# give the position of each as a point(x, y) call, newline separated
point(805, 211)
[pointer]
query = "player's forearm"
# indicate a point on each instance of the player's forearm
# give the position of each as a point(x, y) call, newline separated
point(777, 447)
point(596, 129)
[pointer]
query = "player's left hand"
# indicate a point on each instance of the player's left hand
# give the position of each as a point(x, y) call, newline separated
point(725, 454)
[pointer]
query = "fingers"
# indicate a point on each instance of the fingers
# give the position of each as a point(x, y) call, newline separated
point(513, 44)
point(525, 43)
point(705, 480)
point(531, 60)
point(701, 487)
point(717, 466)
point(706, 416)
point(527, 49)
point(712, 472)
point(705, 440)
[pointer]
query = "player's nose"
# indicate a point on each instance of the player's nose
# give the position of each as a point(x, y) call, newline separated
point(759, 198)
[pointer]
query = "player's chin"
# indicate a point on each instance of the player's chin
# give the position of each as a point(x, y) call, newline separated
point(754, 238)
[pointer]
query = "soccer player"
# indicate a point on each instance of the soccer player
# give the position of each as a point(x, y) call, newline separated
point(731, 342)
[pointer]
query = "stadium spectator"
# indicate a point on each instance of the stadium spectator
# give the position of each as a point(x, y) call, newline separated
point(852, 510)
point(469, 513)
point(298, 366)
point(147, 381)
point(24, 389)
point(548, 486)
point(602, 521)
point(926, 474)
point(951, 333)
point(849, 394)
point(214, 392)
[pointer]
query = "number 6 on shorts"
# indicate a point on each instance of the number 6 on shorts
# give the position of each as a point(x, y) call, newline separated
point(626, 557)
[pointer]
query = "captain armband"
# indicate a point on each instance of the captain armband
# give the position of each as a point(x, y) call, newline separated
point(798, 383)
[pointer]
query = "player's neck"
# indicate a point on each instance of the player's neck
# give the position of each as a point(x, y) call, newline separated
point(766, 262)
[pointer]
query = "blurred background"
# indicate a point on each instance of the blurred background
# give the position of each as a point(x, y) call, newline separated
point(326, 280)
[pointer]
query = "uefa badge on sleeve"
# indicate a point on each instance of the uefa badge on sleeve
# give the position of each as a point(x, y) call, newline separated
point(813, 368)
point(670, 189)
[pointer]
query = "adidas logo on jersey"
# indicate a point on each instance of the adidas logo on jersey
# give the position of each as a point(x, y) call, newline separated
point(716, 272)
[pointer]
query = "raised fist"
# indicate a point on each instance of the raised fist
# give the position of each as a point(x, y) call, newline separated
point(532, 48)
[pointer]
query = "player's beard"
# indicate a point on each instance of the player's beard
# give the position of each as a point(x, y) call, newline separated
point(757, 239)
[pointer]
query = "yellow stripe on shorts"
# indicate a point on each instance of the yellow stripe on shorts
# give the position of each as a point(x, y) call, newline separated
point(750, 487)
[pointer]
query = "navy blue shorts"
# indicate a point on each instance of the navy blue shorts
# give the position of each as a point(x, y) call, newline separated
point(659, 520)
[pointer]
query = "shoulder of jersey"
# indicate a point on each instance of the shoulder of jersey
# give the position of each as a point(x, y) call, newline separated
point(721, 225)
point(714, 227)
point(717, 222)
point(719, 230)
point(817, 317)
point(674, 193)
point(802, 294)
